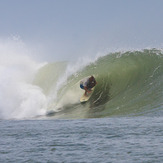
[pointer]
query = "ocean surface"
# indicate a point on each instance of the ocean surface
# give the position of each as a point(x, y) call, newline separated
point(42, 119)
point(119, 139)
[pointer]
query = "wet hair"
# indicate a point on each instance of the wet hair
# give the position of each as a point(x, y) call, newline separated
point(92, 78)
point(92, 82)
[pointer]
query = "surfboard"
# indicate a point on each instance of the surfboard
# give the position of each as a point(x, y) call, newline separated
point(85, 98)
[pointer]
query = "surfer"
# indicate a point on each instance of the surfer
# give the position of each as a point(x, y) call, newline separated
point(87, 84)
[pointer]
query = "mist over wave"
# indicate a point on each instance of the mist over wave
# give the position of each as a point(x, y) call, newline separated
point(129, 83)
point(19, 98)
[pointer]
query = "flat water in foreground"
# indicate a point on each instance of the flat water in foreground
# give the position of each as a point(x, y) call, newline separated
point(123, 139)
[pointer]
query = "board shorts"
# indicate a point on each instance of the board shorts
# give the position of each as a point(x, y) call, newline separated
point(81, 86)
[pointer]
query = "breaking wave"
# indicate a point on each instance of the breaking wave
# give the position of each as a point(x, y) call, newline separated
point(129, 84)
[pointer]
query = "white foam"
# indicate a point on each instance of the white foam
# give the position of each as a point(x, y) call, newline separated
point(18, 97)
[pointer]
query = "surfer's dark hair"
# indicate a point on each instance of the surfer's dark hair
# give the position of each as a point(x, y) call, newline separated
point(91, 83)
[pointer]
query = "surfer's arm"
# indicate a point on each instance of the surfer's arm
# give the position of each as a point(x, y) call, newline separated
point(87, 90)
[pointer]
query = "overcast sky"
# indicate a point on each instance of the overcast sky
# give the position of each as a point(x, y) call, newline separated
point(68, 29)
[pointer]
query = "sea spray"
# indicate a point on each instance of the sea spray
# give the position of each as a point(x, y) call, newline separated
point(18, 97)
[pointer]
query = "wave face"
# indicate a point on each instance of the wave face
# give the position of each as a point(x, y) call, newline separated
point(129, 83)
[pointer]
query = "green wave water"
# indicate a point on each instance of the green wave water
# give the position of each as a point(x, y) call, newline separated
point(129, 83)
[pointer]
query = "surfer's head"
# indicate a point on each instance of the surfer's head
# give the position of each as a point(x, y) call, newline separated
point(92, 81)
point(92, 78)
